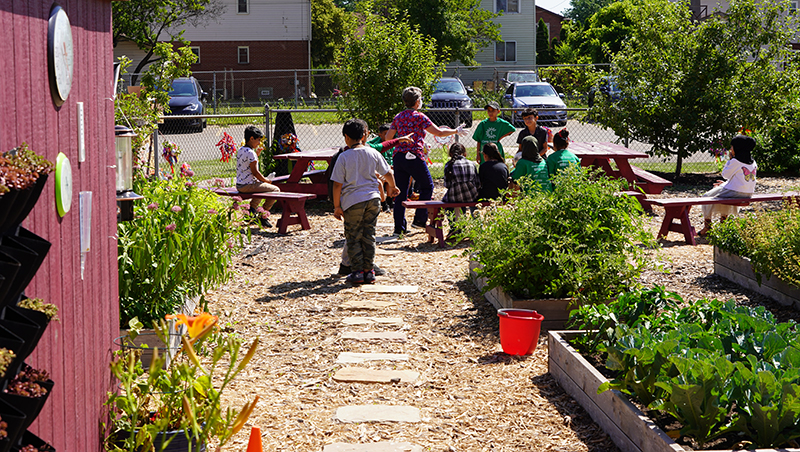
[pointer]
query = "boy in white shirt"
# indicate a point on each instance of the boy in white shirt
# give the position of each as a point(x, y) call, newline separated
point(248, 178)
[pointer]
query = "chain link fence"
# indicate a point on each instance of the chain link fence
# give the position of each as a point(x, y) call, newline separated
point(322, 128)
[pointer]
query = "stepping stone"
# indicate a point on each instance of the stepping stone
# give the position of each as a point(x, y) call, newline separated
point(373, 320)
point(374, 335)
point(358, 358)
point(378, 413)
point(382, 288)
point(367, 304)
point(384, 225)
point(387, 252)
point(365, 375)
point(387, 239)
point(372, 447)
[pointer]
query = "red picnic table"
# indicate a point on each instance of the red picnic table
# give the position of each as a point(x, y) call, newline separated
point(600, 154)
point(302, 160)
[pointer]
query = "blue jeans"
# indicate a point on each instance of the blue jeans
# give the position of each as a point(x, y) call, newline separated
point(359, 231)
point(404, 170)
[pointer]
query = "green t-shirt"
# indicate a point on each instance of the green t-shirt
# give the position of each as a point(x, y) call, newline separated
point(535, 171)
point(560, 160)
point(375, 143)
point(491, 132)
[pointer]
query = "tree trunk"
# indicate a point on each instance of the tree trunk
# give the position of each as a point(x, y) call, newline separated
point(678, 165)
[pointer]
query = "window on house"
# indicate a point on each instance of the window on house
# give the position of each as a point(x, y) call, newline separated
point(792, 7)
point(505, 51)
point(244, 7)
point(196, 52)
point(507, 6)
point(244, 55)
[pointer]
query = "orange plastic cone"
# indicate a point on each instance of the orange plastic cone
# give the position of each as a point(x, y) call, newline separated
point(254, 445)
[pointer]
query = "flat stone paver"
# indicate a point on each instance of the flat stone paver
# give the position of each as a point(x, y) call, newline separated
point(357, 358)
point(387, 252)
point(367, 304)
point(372, 447)
point(382, 288)
point(375, 336)
point(365, 375)
point(373, 321)
point(378, 413)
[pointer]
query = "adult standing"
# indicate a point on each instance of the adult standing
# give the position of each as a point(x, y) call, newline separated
point(409, 158)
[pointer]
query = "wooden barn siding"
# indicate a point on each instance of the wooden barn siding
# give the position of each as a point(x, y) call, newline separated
point(76, 350)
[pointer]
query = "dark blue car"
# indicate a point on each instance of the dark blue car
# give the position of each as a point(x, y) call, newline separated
point(186, 97)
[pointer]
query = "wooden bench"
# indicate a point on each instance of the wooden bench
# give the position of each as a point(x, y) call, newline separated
point(649, 182)
point(292, 205)
point(678, 209)
point(641, 197)
point(316, 176)
point(436, 216)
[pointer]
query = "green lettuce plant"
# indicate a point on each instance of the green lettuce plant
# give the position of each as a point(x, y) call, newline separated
point(581, 240)
point(179, 244)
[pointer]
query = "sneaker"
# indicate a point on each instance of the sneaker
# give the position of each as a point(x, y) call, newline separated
point(378, 271)
point(356, 278)
point(344, 269)
point(399, 232)
point(369, 277)
point(265, 223)
point(253, 211)
point(418, 225)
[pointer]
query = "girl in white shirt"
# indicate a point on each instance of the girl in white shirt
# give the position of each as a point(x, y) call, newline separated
point(740, 180)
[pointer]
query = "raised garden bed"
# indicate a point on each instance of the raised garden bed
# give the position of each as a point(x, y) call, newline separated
point(738, 269)
point(629, 428)
point(555, 311)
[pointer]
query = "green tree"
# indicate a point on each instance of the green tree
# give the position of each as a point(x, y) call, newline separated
point(374, 67)
point(543, 53)
point(600, 37)
point(581, 10)
point(330, 26)
point(459, 27)
point(689, 87)
point(146, 22)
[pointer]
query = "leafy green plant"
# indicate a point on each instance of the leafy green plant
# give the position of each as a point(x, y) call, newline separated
point(179, 245)
point(580, 240)
point(6, 358)
point(770, 239)
point(185, 398)
point(21, 167)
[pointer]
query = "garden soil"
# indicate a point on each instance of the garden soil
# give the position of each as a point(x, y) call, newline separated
point(471, 396)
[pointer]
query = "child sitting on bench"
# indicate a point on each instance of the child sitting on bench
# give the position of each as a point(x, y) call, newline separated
point(248, 178)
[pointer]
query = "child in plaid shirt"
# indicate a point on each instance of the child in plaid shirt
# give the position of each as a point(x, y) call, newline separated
point(461, 180)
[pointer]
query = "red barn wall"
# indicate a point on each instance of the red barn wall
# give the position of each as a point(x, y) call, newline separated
point(77, 349)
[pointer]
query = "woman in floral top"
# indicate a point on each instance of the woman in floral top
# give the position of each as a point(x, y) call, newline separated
point(409, 158)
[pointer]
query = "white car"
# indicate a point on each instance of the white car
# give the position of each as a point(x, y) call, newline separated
point(539, 95)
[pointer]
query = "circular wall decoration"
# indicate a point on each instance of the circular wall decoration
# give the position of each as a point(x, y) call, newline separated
point(60, 56)
point(63, 184)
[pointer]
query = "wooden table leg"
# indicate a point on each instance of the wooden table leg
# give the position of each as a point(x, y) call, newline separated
point(290, 207)
point(684, 225)
point(434, 228)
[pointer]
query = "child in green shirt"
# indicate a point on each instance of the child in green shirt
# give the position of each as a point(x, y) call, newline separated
point(492, 130)
point(563, 157)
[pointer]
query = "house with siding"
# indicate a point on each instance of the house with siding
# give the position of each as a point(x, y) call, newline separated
point(269, 39)
point(76, 350)
point(518, 28)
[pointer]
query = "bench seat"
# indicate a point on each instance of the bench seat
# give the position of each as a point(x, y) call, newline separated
point(651, 184)
point(436, 216)
point(313, 175)
point(641, 197)
point(292, 205)
point(678, 209)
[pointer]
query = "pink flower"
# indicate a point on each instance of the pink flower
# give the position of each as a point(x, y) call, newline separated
point(235, 205)
point(170, 227)
point(218, 182)
point(260, 209)
point(176, 209)
point(212, 211)
point(230, 244)
point(237, 198)
point(189, 184)
point(152, 206)
point(244, 206)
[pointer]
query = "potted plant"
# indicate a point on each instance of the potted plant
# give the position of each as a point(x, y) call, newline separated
point(23, 175)
point(581, 241)
point(178, 407)
point(27, 392)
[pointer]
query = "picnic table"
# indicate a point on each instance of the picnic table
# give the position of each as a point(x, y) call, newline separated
point(302, 160)
point(600, 154)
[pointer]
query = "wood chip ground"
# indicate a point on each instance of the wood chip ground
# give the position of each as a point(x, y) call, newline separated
point(471, 396)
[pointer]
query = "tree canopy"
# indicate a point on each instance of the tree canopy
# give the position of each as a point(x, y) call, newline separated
point(689, 87)
point(146, 22)
point(598, 38)
point(581, 10)
point(330, 26)
point(374, 67)
point(459, 27)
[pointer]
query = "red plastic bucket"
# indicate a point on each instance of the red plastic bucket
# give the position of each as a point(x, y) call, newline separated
point(519, 330)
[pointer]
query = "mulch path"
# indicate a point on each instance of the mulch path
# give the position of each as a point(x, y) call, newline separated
point(472, 396)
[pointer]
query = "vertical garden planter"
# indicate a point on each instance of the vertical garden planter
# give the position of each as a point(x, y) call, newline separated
point(30, 407)
point(29, 250)
point(738, 270)
point(15, 424)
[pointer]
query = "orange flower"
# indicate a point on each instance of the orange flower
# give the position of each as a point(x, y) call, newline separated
point(198, 326)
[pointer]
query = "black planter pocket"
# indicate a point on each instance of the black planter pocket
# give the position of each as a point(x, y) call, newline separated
point(25, 330)
point(29, 316)
point(29, 260)
point(9, 267)
point(29, 438)
point(14, 420)
point(7, 202)
point(28, 406)
point(10, 341)
point(24, 206)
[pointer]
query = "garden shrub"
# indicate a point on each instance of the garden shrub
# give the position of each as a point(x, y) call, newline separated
point(779, 145)
point(581, 240)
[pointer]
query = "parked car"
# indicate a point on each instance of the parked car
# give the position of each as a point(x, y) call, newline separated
point(539, 95)
point(520, 77)
point(606, 86)
point(186, 97)
point(450, 92)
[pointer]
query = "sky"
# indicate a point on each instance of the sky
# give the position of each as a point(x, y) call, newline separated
point(556, 6)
